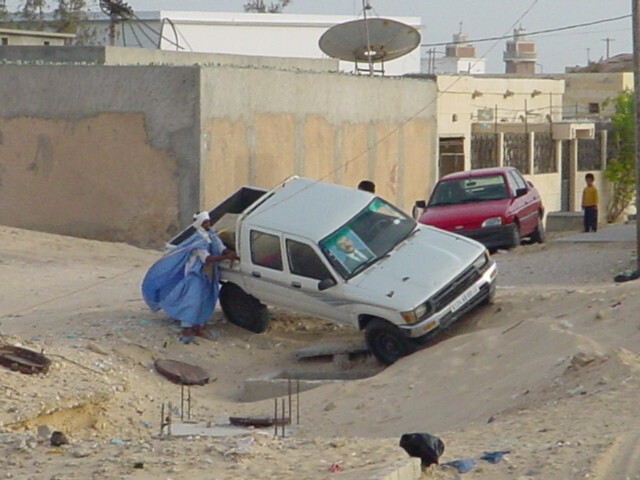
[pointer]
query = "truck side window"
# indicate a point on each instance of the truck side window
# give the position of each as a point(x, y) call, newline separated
point(305, 262)
point(265, 250)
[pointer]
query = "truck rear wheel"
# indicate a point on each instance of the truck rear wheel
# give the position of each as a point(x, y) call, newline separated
point(242, 309)
point(387, 342)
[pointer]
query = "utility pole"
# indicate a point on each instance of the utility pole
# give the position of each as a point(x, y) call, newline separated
point(608, 41)
point(588, 56)
point(635, 9)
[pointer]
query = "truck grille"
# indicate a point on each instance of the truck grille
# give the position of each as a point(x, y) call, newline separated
point(458, 285)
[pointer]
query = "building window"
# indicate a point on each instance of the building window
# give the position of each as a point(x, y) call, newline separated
point(5, 40)
point(451, 155)
point(594, 108)
point(46, 42)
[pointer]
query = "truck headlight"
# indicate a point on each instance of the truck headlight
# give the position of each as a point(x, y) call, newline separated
point(415, 315)
point(492, 222)
point(481, 261)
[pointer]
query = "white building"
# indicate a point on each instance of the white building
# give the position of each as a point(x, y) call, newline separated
point(260, 34)
point(459, 58)
point(10, 36)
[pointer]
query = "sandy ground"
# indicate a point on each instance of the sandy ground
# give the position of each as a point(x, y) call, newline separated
point(550, 372)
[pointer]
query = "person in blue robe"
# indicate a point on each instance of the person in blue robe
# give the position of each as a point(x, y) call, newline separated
point(184, 283)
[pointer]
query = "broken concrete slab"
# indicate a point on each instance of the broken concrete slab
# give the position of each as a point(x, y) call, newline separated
point(281, 383)
point(330, 349)
point(207, 429)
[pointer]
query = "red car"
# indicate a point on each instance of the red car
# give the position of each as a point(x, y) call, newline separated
point(495, 206)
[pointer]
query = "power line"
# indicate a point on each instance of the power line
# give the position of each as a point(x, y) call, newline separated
point(538, 32)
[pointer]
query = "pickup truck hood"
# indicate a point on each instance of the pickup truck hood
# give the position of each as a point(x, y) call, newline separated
point(464, 215)
point(418, 267)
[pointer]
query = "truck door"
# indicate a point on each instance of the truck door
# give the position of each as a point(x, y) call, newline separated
point(266, 278)
point(307, 269)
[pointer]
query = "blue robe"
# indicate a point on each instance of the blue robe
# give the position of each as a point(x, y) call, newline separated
point(188, 294)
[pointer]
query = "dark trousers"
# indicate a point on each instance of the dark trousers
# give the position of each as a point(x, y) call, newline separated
point(590, 219)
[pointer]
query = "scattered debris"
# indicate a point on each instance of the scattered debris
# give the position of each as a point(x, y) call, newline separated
point(58, 438)
point(626, 276)
point(462, 466)
point(582, 359)
point(258, 422)
point(23, 360)
point(425, 446)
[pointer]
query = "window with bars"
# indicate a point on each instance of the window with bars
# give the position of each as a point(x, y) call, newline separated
point(484, 150)
point(544, 154)
point(516, 155)
point(451, 155)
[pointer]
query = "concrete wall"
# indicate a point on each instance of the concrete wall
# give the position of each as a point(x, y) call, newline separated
point(259, 127)
point(99, 152)
point(585, 88)
point(139, 56)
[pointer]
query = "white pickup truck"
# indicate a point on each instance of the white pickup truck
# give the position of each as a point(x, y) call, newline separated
point(347, 256)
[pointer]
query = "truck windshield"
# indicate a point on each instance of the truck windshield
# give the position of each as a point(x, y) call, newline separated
point(366, 238)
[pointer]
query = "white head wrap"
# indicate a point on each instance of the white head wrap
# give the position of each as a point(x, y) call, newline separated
point(198, 218)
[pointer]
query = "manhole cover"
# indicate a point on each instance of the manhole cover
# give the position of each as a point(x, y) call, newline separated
point(183, 373)
point(22, 360)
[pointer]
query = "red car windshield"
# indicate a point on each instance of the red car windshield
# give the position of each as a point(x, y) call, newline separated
point(465, 190)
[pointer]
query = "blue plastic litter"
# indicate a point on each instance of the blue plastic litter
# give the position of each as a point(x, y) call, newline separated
point(494, 457)
point(462, 465)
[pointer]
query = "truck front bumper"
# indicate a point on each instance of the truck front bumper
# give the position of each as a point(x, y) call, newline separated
point(480, 291)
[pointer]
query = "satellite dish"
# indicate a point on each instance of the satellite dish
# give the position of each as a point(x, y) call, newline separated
point(369, 40)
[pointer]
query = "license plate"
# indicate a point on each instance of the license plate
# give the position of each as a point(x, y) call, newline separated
point(429, 326)
point(464, 298)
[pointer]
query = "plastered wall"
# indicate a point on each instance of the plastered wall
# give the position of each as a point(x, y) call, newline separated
point(95, 177)
point(100, 152)
point(261, 126)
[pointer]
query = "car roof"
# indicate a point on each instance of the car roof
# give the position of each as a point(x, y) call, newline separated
point(479, 172)
point(309, 208)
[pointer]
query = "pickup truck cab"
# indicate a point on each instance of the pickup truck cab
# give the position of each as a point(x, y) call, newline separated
point(347, 256)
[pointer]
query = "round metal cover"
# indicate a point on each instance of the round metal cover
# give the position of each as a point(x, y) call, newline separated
point(182, 373)
point(386, 39)
point(23, 360)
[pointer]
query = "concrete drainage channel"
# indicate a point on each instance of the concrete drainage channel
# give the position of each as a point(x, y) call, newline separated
point(319, 365)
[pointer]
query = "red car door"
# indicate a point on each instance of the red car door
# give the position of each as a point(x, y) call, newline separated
point(524, 205)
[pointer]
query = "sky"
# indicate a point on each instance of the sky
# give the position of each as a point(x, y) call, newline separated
point(480, 19)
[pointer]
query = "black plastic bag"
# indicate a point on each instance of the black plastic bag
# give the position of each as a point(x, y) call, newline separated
point(425, 446)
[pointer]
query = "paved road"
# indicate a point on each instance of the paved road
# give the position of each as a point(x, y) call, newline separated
point(625, 232)
point(572, 259)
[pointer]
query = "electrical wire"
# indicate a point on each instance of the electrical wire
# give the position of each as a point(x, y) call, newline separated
point(397, 129)
point(529, 34)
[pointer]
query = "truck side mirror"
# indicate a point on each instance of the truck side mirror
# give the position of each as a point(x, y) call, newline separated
point(416, 211)
point(326, 283)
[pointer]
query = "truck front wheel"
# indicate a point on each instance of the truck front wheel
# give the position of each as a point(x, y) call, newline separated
point(242, 309)
point(387, 342)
